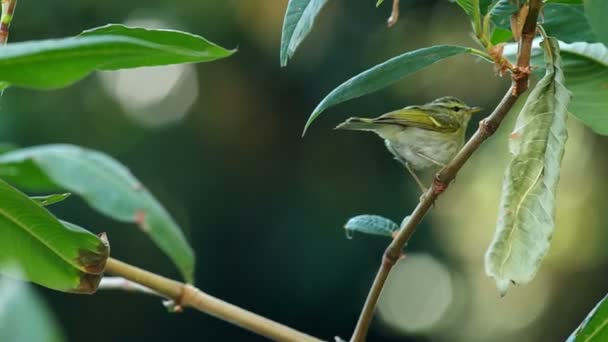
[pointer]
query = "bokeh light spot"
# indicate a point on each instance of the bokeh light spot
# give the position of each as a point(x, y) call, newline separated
point(153, 96)
point(417, 294)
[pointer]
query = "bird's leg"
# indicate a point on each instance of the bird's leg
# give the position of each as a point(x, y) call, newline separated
point(430, 159)
point(433, 161)
point(411, 171)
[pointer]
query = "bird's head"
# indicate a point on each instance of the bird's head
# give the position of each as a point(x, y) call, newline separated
point(455, 107)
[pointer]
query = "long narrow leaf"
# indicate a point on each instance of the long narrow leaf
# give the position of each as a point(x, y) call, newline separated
point(299, 19)
point(383, 75)
point(110, 188)
point(527, 209)
point(54, 63)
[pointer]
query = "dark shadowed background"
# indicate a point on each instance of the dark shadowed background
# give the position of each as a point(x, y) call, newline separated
point(219, 144)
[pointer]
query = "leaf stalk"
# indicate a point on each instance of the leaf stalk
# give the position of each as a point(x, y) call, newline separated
point(186, 295)
point(8, 10)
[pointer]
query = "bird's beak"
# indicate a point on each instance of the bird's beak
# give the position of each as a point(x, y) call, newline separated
point(476, 110)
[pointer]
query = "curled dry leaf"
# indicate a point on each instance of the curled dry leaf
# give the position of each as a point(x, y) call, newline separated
point(527, 211)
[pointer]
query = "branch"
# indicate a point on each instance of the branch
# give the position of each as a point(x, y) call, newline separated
point(186, 295)
point(8, 9)
point(122, 284)
point(392, 20)
point(487, 127)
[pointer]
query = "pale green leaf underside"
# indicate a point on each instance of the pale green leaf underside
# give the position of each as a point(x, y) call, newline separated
point(597, 13)
point(567, 23)
point(55, 63)
point(586, 70)
point(585, 66)
point(370, 224)
point(24, 317)
point(385, 74)
point(299, 20)
point(595, 326)
point(527, 209)
point(47, 252)
point(110, 188)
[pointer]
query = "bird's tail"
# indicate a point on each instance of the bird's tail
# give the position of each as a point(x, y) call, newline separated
point(358, 124)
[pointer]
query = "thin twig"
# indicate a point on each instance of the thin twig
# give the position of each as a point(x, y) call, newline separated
point(8, 10)
point(487, 127)
point(186, 295)
point(392, 20)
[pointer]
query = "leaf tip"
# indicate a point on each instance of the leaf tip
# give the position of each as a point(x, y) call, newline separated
point(310, 120)
point(503, 286)
point(88, 283)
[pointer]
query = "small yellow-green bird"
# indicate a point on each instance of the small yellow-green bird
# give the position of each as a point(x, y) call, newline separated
point(420, 137)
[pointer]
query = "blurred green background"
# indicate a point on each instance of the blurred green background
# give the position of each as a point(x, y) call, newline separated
point(219, 144)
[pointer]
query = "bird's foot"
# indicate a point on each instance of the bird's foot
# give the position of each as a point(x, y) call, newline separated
point(439, 186)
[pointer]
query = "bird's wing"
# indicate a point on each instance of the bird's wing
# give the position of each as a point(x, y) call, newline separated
point(416, 116)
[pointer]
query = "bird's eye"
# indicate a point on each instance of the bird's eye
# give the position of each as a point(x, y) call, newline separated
point(456, 109)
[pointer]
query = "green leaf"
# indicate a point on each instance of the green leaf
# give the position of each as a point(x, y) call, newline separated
point(567, 23)
point(370, 224)
point(379, 3)
point(27, 176)
point(500, 35)
point(55, 63)
point(501, 12)
point(527, 209)
point(585, 66)
point(47, 252)
point(597, 12)
point(595, 326)
point(50, 199)
point(24, 317)
point(384, 74)
point(7, 146)
point(586, 69)
point(472, 9)
point(110, 188)
point(299, 19)
point(484, 6)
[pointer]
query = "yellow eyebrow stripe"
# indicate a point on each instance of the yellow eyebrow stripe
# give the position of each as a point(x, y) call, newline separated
point(435, 122)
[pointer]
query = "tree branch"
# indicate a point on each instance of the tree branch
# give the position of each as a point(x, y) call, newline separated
point(186, 295)
point(122, 284)
point(487, 127)
point(8, 9)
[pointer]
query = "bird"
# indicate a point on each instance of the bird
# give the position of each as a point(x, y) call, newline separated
point(420, 137)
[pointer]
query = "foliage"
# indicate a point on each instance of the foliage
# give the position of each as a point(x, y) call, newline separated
point(55, 63)
point(38, 247)
point(107, 186)
point(299, 19)
point(370, 224)
point(527, 212)
point(24, 317)
point(595, 326)
point(57, 255)
point(385, 74)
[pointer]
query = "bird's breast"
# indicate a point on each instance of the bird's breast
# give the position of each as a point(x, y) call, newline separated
point(418, 146)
